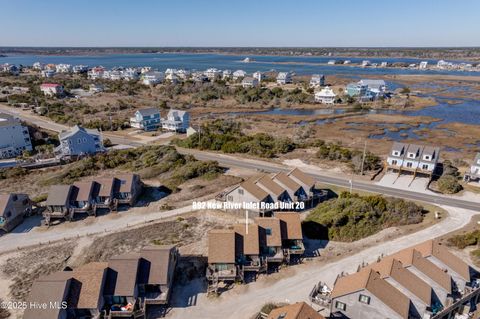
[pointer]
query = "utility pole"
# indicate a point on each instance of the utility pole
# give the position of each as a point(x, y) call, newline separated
point(363, 157)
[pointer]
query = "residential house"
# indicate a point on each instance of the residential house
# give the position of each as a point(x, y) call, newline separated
point(295, 190)
point(105, 196)
point(423, 65)
point(152, 77)
point(171, 78)
point(366, 63)
point(250, 82)
point(284, 78)
point(177, 121)
point(14, 137)
point(87, 289)
point(375, 86)
point(270, 239)
point(474, 173)
point(49, 290)
point(317, 80)
point(325, 96)
point(226, 74)
point(183, 74)
point(10, 68)
point(268, 190)
point(212, 74)
point(276, 192)
point(248, 248)
point(130, 74)
point(13, 208)
point(79, 141)
point(38, 66)
point(82, 196)
point(130, 187)
point(299, 310)
point(146, 119)
point(356, 89)
point(96, 73)
point(413, 158)
point(77, 69)
point(158, 264)
point(199, 77)
point(423, 281)
point(249, 193)
point(366, 295)
point(239, 74)
point(119, 288)
point(63, 68)
point(222, 256)
point(291, 233)
point(260, 76)
point(121, 291)
point(51, 89)
point(58, 203)
point(48, 73)
point(306, 181)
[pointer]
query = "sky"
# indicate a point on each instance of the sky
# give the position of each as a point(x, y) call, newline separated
point(281, 23)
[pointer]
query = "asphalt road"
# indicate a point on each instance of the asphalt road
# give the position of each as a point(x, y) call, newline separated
point(233, 161)
point(230, 161)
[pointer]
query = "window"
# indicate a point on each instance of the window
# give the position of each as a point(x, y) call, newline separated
point(240, 191)
point(268, 231)
point(424, 166)
point(410, 164)
point(427, 157)
point(340, 305)
point(396, 153)
point(8, 214)
point(364, 299)
point(394, 162)
point(230, 198)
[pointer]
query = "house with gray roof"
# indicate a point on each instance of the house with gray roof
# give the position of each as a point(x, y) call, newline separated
point(176, 121)
point(58, 203)
point(422, 281)
point(413, 158)
point(13, 208)
point(79, 141)
point(14, 137)
point(146, 119)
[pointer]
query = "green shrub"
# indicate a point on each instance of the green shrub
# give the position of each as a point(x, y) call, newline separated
point(351, 217)
point(449, 184)
point(468, 239)
point(226, 136)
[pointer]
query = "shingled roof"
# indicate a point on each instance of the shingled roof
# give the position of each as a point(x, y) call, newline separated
point(122, 275)
point(291, 225)
point(299, 176)
point(221, 246)
point(299, 310)
point(271, 230)
point(158, 259)
point(391, 267)
point(370, 280)
point(250, 241)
